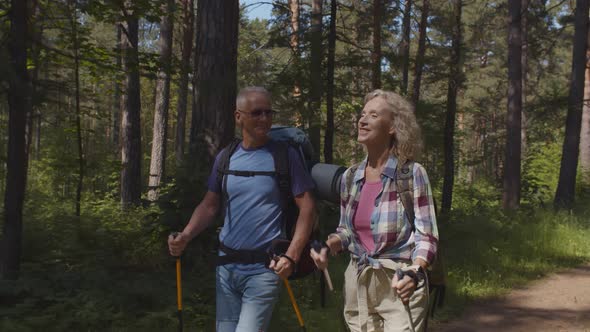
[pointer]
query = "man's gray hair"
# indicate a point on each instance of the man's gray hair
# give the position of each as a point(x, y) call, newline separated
point(242, 98)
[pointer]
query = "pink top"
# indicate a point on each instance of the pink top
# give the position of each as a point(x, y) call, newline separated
point(362, 218)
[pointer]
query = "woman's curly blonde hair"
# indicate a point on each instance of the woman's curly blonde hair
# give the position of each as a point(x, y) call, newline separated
point(406, 142)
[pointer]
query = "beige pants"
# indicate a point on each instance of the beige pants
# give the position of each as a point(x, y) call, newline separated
point(370, 304)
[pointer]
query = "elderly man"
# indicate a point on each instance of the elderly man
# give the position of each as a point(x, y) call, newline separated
point(248, 285)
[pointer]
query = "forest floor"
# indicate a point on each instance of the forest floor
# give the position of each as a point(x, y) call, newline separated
point(559, 302)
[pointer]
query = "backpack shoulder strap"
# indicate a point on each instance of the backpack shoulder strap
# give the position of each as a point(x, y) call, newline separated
point(350, 176)
point(224, 158)
point(223, 165)
point(280, 155)
point(404, 179)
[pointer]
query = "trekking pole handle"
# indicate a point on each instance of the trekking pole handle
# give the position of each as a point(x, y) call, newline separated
point(317, 247)
point(400, 275)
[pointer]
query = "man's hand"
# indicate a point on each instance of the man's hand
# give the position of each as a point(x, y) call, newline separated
point(282, 266)
point(404, 287)
point(177, 243)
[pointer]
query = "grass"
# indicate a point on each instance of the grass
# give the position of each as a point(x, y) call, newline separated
point(89, 275)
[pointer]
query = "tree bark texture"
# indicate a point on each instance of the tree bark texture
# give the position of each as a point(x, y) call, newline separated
point(160, 130)
point(421, 52)
point(117, 92)
point(76, 46)
point(376, 54)
point(329, 133)
point(585, 131)
point(512, 176)
point(315, 104)
point(405, 44)
point(19, 106)
point(524, 64)
point(212, 124)
point(453, 88)
point(294, 43)
point(130, 120)
point(564, 196)
point(181, 106)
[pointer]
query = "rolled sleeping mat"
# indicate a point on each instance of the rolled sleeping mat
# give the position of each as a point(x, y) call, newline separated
point(327, 181)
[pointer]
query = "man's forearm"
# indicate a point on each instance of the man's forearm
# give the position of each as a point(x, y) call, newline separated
point(303, 228)
point(202, 216)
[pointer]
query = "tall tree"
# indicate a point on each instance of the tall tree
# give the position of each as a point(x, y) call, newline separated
point(315, 102)
point(585, 130)
point(73, 8)
point(455, 81)
point(117, 100)
point(19, 106)
point(512, 177)
point(329, 133)
point(187, 48)
point(524, 64)
point(160, 131)
point(130, 121)
point(294, 42)
point(564, 195)
point(405, 44)
point(421, 52)
point(212, 124)
point(376, 54)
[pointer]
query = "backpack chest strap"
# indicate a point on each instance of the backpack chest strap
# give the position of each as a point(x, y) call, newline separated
point(249, 173)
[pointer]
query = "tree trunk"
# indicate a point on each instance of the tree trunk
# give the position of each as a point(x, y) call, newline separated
point(376, 54)
point(130, 121)
point(294, 43)
point(76, 47)
point(421, 52)
point(405, 45)
point(212, 125)
point(34, 123)
point(315, 103)
point(564, 196)
point(19, 106)
point(187, 48)
point(585, 131)
point(329, 134)
point(524, 64)
point(117, 103)
point(455, 81)
point(511, 195)
point(160, 131)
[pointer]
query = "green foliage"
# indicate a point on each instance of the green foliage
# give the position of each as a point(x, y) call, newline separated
point(541, 173)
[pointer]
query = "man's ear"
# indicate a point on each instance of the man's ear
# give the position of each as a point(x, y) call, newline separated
point(237, 117)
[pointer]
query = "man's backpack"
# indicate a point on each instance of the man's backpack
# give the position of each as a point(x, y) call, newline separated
point(404, 180)
point(282, 138)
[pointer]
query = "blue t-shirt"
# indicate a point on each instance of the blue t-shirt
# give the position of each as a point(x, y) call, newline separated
point(253, 216)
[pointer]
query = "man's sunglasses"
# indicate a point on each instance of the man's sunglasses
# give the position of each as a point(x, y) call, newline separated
point(258, 113)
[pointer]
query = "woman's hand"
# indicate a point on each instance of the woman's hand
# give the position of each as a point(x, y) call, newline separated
point(404, 288)
point(320, 258)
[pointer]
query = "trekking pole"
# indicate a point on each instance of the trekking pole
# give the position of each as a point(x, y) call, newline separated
point(400, 275)
point(292, 297)
point(317, 247)
point(178, 287)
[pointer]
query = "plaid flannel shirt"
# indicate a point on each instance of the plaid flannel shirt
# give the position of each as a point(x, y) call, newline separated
point(392, 231)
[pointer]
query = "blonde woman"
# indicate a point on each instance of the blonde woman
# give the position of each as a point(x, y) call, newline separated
point(375, 228)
